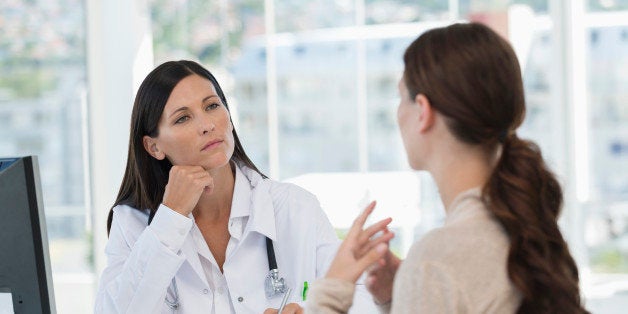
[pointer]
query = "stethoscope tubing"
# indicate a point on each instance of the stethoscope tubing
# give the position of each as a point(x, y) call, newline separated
point(270, 254)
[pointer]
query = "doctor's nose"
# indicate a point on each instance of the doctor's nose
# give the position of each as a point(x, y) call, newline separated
point(207, 125)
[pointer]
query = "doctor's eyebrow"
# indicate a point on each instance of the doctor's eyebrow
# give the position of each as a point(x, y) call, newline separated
point(208, 97)
point(178, 109)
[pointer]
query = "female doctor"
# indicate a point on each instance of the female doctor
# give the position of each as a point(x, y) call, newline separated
point(196, 228)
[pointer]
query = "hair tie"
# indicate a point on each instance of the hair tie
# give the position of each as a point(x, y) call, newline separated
point(503, 136)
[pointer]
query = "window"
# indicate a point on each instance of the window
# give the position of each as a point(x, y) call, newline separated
point(42, 102)
point(323, 114)
point(312, 87)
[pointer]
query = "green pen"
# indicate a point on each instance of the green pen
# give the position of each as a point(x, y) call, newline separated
point(304, 290)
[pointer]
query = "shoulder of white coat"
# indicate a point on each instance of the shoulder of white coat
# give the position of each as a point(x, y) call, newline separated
point(289, 196)
point(130, 220)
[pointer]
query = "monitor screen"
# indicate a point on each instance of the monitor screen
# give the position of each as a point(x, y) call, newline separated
point(25, 276)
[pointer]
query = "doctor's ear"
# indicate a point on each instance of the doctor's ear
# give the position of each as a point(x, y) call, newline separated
point(150, 145)
point(426, 112)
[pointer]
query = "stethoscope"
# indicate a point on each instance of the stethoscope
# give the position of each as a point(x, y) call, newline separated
point(273, 285)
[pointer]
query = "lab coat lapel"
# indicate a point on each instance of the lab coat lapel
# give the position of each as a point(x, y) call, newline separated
point(190, 252)
point(262, 217)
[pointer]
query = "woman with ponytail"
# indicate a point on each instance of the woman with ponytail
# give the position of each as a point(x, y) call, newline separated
point(500, 249)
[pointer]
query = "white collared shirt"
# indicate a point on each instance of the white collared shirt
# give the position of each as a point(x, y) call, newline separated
point(240, 209)
point(142, 260)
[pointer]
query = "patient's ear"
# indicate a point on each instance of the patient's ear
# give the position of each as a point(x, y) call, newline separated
point(426, 112)
point(150, 145)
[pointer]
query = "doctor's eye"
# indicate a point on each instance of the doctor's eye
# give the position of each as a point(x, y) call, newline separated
point(182, 119)
point(212, 106)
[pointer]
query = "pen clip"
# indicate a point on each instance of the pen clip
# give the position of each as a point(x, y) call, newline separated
point(304, 293)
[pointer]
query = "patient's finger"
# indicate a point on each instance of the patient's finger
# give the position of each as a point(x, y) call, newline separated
point(359, 221)
point(373, 229)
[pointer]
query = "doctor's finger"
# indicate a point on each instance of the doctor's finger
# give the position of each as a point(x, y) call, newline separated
point(292, 308)
point(202, 177)
point(200, 172)
point(187, 175)
point(207, 181)
point(179, 169)
point(359, 221)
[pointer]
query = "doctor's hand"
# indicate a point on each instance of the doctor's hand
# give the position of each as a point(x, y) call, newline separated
point(290, 308)
point(185, 186)
point(360, 250)
point(379, 281)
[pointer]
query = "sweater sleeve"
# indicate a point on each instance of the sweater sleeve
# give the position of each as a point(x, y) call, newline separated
point(139, 272)
point(330, 296)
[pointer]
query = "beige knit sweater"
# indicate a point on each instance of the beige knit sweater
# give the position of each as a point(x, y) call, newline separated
point(458, 268)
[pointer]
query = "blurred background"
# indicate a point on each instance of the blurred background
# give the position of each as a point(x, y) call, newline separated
point(312, 87)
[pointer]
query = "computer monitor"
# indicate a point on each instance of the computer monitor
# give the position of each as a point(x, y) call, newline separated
point(24, 261)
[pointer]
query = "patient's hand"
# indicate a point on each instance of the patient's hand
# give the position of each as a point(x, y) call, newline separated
point(379, 281)
point(359, 250)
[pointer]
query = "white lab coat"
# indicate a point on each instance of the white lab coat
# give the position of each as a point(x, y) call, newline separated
point(142, 260)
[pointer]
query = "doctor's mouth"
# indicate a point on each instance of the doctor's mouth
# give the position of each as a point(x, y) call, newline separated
point(211, 145)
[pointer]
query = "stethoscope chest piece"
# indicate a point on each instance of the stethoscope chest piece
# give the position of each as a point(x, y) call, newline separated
point(273, 284)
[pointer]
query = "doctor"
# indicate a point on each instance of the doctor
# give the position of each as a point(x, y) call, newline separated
point(196, 228)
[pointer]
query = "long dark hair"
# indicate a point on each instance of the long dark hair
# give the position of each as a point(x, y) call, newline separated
point(472, 77)
point(145, 177)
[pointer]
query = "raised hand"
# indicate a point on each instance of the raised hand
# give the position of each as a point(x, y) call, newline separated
point(379, 281)
point(185, 186)
point(360, 250)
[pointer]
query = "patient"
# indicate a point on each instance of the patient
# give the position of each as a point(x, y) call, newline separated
point(500, 249)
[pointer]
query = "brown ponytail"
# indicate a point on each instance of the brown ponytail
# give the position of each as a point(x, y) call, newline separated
point(472, 77)
point(526, 198)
